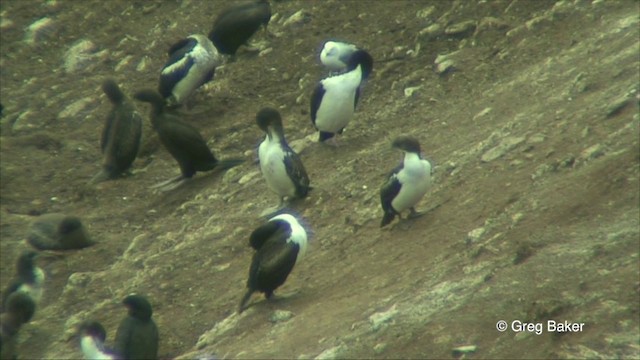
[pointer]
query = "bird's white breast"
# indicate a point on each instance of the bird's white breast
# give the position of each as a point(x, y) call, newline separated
point(338, 101)
point(91, 350)
point(273, 168)
point(298, 234)
point(415, 178)
point(35, 289)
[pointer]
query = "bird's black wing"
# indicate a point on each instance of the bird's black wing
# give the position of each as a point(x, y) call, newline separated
point(390, 189)
point(296, 171)
point(273, 263)
point(123, 336)
point(168, 79)
point(260, 235)
point(316, 99)
point(106, 130)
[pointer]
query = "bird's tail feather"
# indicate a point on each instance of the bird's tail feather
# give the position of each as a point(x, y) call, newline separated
point(244, 301)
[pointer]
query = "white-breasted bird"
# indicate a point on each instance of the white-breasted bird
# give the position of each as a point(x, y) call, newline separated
point(29, 278)
point(192, 63)
point(407, 183)
point(334, 99)
point(280, 244)
point(92, 338)
point(335, 55)
point(280, 165)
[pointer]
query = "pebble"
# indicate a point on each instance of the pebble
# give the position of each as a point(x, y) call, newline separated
point(432, 31)
point(616, 105)
point(408, 92)
point(381, 319)
point(280, 316)
point(482, 113)
point(299, 17)
point(81, 55)
point(444, 63)
point(379, 348)
point(426, 12)
point(475, 235)
point(536, 138)
point(40, 30)
point(505, 146)
point(592, 152)
point(461, 29)
point(333, 353)
point(76, 107)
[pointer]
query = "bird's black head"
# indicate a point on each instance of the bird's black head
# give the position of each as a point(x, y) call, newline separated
point(25, 262)
point(21, 305)
point(406, 144)
point(112, 91)
point(93, 329)
point(138, 306)
point(362, 58)
point(69, 225)
point(268, 117)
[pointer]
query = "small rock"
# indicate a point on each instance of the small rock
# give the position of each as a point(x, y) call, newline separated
point(379, 348)
point(329, 354)
point(408, 92)
point(426, 12)
point(431, 31)
point(6, 24)
point(82, 55)
point(299, 17)
point(475, 235)
point(505, 145)
point(40, 30)
point(482, 113)
point(248, 177)
point(280, 316)
point(617, 105)
point(460, 351)
point(142, 65)
point(76, 107)
point(592, 152)
point(381, 319)
point(541, 170)
point(536, 138)
point(122, 63)
point(444, 63)
point(461, 29)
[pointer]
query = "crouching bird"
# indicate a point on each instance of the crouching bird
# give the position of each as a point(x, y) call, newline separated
point(236, 24)
point(183, 142)
point(137, 336)
point(280, 165)
point(279, 245)
point(407, 183)
point(192, 63)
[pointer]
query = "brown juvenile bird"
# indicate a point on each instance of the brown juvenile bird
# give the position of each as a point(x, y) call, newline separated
point(137, 336)
point(29, 279)
point(183, 142)
point(19, 311)
point(121, 134)
point(57, 231)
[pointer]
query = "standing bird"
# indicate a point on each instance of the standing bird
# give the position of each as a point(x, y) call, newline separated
point(280, 165)
point(334, 99)
point(137, 335)
point(279, 244)
point(57, 231)
point(29, 279)
point(192, 63)
point(19, 311)
point(92, 338)
point(121, 134)
point(183, 142)
point(237, 23)
point(407, 183)
point(335, 55)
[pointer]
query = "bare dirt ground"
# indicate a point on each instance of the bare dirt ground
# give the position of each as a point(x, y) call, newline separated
point(535, 204)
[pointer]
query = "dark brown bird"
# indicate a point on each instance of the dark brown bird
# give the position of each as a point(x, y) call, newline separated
point(58, 232)
point(19, 311)
point(29, 279)
point(137, 336)
point(183, 142)
point(237, 23)
point(121, 134)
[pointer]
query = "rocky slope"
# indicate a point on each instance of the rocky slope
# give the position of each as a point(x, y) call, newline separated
point(528, 110)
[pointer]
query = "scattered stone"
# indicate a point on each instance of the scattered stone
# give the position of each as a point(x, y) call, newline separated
point(505, 146)
point(379, 348)
point(381, 319)
point(248, 177)
point(6, 24)
point(482, 113)
point(460, 351)
point(475, 235)
point(426, 12)
point(462, 29)
point(488, 23)
point(408, 92)
point(333, 353)
point(142, 65)
point(82, 55)
point(76, 107)
point(124, 62)
point(616, 105)
point(219, 329)
point(445, 63)
point(431, 32)
point(541, 170)
point(299, 17)
point(40, 30)
point(280, 316)
point(592, 152)
point(536, 138)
